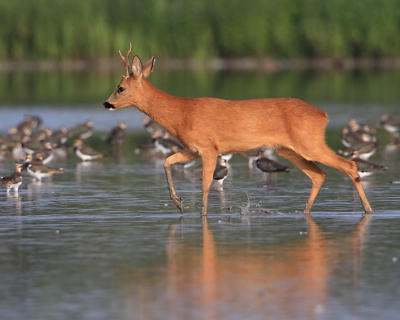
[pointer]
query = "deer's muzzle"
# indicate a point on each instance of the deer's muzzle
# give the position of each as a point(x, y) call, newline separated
point(108, 105)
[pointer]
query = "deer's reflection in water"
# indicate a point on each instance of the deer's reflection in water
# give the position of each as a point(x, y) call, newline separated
point(286, 280)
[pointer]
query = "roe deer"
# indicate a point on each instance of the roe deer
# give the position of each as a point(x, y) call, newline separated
point(207, 127)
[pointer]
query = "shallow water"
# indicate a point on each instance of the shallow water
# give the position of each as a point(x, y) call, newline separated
point(104, 241)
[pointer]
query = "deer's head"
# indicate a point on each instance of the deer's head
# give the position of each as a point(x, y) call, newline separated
point(129, 89)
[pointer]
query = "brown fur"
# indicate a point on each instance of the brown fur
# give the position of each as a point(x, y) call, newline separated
point(207, 127)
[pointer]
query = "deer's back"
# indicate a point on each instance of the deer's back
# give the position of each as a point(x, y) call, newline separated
point(240, 125)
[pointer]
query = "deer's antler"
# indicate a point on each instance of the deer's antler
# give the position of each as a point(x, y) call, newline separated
point(126, 59)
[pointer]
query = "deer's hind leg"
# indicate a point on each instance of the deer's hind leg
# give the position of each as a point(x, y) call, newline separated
point(316, 175)
point(331, 159)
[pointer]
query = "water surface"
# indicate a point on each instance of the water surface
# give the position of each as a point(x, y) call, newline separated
point(104, 240)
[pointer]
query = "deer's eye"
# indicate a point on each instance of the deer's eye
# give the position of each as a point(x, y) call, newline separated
point(120, 89)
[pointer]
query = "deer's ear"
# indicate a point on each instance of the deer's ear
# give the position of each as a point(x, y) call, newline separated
point(136, 67)
point(148, 67)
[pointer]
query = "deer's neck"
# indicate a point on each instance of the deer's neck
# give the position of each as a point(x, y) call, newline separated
point(162, 107)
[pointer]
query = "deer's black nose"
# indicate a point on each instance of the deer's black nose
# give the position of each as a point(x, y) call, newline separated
point(108, 105)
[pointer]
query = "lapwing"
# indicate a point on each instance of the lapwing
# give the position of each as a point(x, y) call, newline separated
point(220, 172)
point(150, 125)
point(118, 134)
point(390, 124)
point(40, 171)
point(85, 152)
point(366, 168)
point(269, 166)
point(82, 130)
point(13, 180)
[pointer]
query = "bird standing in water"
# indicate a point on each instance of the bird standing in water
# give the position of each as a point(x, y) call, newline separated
point(13, 180)
point(268, 165)
point(220, 172)
point(82, 130)
point(364, 167)
point(165, 143)
point(150, 125)
point(390, 124)
point(117, 134)
point(84, 152)
point(42, 171)
point(35, 166)
point(365, 149)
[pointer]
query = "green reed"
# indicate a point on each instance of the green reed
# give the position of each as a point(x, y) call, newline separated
point(95, 29)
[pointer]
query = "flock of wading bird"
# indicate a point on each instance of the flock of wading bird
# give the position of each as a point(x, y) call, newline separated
point(33, 147)
point(293, 127)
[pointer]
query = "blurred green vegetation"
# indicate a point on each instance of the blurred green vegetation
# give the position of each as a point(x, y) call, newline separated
point(97, 29)
point(362, 87)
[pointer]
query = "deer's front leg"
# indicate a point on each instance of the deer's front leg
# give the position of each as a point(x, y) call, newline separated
point(182, 156)
point(209, 160)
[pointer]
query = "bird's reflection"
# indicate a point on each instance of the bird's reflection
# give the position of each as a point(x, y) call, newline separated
point(16, 199)
point(118, 155)
point(391, 151)
point(35, 188)
point(86, 168)
point(38, 184)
